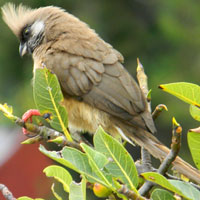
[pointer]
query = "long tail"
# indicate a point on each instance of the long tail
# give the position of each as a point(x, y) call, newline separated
point(160, 151)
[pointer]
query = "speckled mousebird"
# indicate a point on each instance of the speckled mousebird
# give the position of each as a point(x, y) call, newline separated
point(97, 88)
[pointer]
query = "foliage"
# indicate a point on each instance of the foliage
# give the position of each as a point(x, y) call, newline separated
point(189, 93)
point(159, 194)
point(98, 166)
point(108, 163)
point(165, 34)
point(178, 187)
point(47, 95)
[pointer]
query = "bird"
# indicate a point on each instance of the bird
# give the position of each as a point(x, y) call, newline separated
point(97, 89)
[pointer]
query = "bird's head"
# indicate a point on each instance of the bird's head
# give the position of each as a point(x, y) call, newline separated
point(24, 23)
point(30, 37)
point(34, 27)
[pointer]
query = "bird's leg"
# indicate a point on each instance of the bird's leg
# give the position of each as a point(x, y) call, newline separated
point(28, 116)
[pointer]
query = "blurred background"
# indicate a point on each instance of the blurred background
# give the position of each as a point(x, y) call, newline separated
point(165, 35)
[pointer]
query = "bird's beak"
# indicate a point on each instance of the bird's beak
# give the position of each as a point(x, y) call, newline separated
point(22, 49)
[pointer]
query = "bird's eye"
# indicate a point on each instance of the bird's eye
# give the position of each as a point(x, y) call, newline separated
point(26, 33)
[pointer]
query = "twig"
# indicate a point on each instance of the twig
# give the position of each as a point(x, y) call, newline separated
point(159, 108)
point(141, 168)
point(43, 132)
point(6, 192)
point(130, 194)
point(142, 79)
point(175, 147)
point(146, 160)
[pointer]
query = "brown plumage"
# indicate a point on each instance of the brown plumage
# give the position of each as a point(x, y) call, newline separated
point(97, 88)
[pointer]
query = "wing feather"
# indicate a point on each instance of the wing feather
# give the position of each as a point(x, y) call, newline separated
point(102, 83)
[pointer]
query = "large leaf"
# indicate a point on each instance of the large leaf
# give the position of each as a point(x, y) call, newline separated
point(75, 160)
point(160, 194)
point(188, 92)
point(78, 190)
point(187, 189)
point(60, 174)
point(121, 164)
point(98, 161)
point(80, 161)
point(162, 181)
point(57, 157)
point(195, 112)
point(194, 145)
point(48, 96)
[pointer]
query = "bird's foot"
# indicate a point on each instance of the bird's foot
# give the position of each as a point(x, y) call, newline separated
point(27, 116)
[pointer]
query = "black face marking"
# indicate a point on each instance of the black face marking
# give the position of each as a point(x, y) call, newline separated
point(31, 36)
point(26, 33)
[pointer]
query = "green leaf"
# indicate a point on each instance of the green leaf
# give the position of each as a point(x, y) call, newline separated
point(121, 164)
point(32, 140)
point(195, 112)
point(187, 189)
point(97, 162)
point(194, 146)
point(57, 157)
point(188, 92)
point(78, 190)
point(60, 174)
point(8, 111)
point(57, 140)
point(28, 198)
point(75, 160)
point(48, 96)
point(55, 193)
point(162, 181)
point(160, 194)
point(99, 158)
point(80, 161)
point(149, 95)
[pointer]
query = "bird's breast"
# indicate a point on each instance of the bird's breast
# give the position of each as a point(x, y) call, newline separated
point(85, 118)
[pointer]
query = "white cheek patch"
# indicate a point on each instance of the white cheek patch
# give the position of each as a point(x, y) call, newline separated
point(37, 27)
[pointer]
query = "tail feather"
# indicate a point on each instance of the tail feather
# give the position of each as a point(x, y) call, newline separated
point(160, 151)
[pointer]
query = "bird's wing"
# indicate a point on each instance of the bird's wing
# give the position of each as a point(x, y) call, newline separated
point(103, 83)
point(91, 47)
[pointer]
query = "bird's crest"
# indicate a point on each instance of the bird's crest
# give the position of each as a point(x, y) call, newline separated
point(15, 17)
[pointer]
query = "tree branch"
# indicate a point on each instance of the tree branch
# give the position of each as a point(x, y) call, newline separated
point(45, 133)
point(130, 194)
point(159, 108)
point(6, 192)
point(175, 147)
